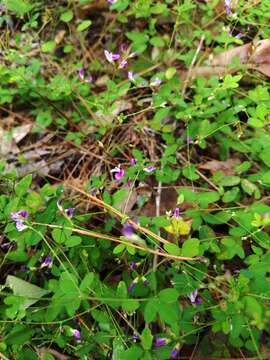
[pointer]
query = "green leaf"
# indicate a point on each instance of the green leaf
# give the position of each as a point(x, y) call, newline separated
point(23, 185)
point(61, 236)
point(168, 295)
point(172, 249)
point(170, 72)
point(19, 335)
point(73, 241)
point(67, 16)
point(230, 195)
point(265, 156)
point(189, 172)
point(68, 284)
point(119, 248)
point(220, 217)
point(83, 25)
point(146, 339)
point(151, 310)
point(121, 291)
point(130, 305)
point(190, 247)
point(30, 292)
point(48, 46)
point(134, 353)
point(118, 348)
point(85, 285)
point(20, 7)
point(230, 181)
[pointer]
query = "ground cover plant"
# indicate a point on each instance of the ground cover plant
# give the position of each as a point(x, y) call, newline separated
point(134, 179)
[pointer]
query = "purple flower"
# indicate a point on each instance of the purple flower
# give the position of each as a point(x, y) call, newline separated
point(160, 342)
point(89, 79)
point(112, 1)
point(132, 55)
point(174, 353)
point(110, 56)
point(155, 82)
point(146, 282)
point(123, 64)
point(24, 268)
point(189, 140)
point(133, 266)
point(19, 215)
point(132, 286)
point(176, 213)
point(76, 333)
point(195, 298)
point(47, 261)
point(70, 212)
point(128, 230)
point(118, 172)
point(81, 74)
point(123, 47)
point(227, 5)
point(133, 161)
point(131, 76)
point(135, 337)
point(149, 169)
point(19, 218)
point(239, 35)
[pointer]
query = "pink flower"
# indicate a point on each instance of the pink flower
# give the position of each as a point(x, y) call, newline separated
point(155, 82)
point(81, 73)
point(131, 76)
point(110, 56)
point(133, 161)
point(118, 172)
point(123, 64)
point(149, 169)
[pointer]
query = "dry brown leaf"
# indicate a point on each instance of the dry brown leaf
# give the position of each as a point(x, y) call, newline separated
point(255, 55)
point(226, 167)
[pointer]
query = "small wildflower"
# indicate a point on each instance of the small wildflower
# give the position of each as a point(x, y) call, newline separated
point(76, 333)
point(176, 213)
point(189, 140)
point(132, 286)
point(110, 56)
point(19, 217)
point(131, 76)
point(89, 79)
point(136, 338)
point(70, 212)
point(118, 172)
point(112, 1)
point(133, 266)
point(145, 281)
point(129, 183)
point(47, 261)
point(155, 82)
point(227, 5)
point(239, 35)
point(81, 74)
point(132, 55)
point(160, 342)
point(123, 64)
point(128, 230)
point(24, 268)
point(133, 161)
point(149, 169)
point(195, 298)
point(123, 47)
point(174, 353)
